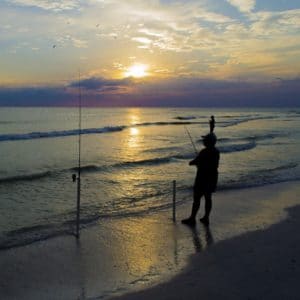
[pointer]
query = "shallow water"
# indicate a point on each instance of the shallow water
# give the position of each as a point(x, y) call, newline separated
point(129, 159)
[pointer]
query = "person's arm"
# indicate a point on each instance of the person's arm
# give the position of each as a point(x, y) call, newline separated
point(195, 161)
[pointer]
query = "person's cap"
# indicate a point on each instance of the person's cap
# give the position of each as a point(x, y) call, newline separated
point(211, 138)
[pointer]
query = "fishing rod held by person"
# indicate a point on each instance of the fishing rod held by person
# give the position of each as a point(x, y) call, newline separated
point(191, 139)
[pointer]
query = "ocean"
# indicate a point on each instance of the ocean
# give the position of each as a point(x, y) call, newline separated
point(129, 160)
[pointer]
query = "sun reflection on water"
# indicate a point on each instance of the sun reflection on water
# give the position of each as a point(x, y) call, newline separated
point(133, 140)
point(134, 131)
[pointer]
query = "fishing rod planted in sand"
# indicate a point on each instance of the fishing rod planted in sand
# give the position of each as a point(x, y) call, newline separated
point(79, 161)
point(78, 177)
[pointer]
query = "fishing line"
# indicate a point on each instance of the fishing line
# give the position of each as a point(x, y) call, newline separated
point(191, 139)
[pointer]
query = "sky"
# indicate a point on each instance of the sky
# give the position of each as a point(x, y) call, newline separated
point(150, 52)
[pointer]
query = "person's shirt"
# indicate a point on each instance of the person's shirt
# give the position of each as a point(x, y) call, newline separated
point(207, 161)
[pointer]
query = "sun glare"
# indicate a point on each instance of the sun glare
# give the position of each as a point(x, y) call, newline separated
point(137, 71)
point(134, 131)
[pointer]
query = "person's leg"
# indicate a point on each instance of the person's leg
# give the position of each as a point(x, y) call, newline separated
point(196, 204)
point(208, 206)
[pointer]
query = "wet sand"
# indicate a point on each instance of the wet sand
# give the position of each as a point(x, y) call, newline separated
point(258, 265)
point(243, 255)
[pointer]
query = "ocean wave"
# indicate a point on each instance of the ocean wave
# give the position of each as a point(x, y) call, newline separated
point(185, 118)
point(89, 216)
point(225, 145)
point(66, 133)
point(238, 116)
point(297, 112)
point(241, 184)
point(64, 223)
point(25, 177)
point(28, 235)
point(88, 168)
point(8, 122)
point(252, 138)
point(244, 120)
point(237, 147)
point(165, 123)
point(283, 167)
point(228, 145)
point(145, 162)
point(54, 134)
point(125, 164)
point(282, 173)
point(108, 129)
point(162, 149)
point(263, 137)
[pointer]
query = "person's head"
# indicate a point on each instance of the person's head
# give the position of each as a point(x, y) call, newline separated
point(209, 140)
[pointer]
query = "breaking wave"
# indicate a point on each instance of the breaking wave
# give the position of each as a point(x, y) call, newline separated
point(185, 118)
point(65, 133)
point(182, 120)
point(25, 177)
point(52, 134)
point(237, 147)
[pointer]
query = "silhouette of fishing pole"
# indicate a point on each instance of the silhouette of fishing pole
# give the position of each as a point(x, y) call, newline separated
point(78, 177)
point(211, 130)
point(191, 139)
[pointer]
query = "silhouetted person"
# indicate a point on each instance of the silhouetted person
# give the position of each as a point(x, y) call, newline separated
point(207, 163)
point(212, 124)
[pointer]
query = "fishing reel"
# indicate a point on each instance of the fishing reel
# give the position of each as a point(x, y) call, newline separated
point(74, 177)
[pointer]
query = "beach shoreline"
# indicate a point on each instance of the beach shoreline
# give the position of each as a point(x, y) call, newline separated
point(263, 264)
point(137, 254)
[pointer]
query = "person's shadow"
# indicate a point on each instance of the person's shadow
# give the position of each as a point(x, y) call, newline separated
point(197, 241)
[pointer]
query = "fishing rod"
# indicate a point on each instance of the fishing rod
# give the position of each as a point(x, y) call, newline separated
point(191, 139)
point(79, 160)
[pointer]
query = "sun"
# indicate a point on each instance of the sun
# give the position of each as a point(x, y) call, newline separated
point(137, 71)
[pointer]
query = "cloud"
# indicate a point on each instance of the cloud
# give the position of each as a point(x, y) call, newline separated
point(67, 39)
point(99, 85)
point(142, 40)
point(189, 92)
point(243, 5)
point(34, 96)
point(54, 5)
point(163, 34)
point(268, 23)
point(221, 93)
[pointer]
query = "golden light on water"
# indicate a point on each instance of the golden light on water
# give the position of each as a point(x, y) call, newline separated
point(134, 131)
point(133, 139)
point(134, 116)
point(137, 71)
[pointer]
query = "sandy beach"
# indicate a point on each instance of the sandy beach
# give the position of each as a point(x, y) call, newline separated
point(264, 264)
point(250, 251)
